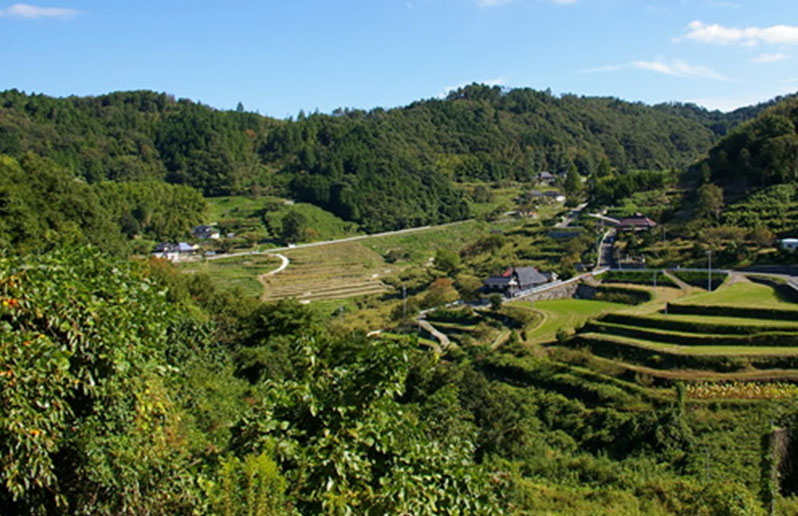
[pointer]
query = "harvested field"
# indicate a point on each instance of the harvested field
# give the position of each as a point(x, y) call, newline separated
point(333, 271)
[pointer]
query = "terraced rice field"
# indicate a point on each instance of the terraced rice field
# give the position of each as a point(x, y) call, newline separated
point(747, 333)
point(330, 272)
point(239, 272)
point(743, 293)
point(565, 313)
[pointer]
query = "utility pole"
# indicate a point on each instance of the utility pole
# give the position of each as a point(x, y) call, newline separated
point(404, 302)
point(709, 270)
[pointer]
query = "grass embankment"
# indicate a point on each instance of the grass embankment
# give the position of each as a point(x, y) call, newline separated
point(564, 314)
point(419, 247)
point(502, 198)
point(267, 213)
point(239, 272)
point(744, 293)
point(738, 339)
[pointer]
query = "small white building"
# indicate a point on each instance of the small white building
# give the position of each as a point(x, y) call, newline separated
point(174, 252)
point(789, 244)
point(205, 232)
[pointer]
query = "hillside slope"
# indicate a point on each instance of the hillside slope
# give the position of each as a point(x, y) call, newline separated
point(384, 169)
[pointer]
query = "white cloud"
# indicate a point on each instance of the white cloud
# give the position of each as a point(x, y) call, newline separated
point(679, 68)
point(749, 36)
point(725, 4)
point(674, 68)
point(494, 3)
point(607, 68)
point(491, 3)
point(769, 58)
point(33, 12)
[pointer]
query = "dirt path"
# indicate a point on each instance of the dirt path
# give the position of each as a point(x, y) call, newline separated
point(735, 277)
point(443, 339)
point(284, 262)
point(681, 284)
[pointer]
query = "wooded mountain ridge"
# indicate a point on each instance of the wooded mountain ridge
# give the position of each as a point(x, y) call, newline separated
point(381, 168)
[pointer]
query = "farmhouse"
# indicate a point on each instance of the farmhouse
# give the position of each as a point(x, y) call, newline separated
point(789, 244)
point(546, 178)
point(555, 195)
point(205, 232)
point(516, 279)
point(174, 252)
point(636, 223)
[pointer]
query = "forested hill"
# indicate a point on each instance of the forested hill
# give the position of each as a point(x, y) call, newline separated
point(759, 153)
point(383, 168)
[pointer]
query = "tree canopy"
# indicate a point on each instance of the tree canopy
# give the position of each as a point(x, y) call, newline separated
point(384, 169)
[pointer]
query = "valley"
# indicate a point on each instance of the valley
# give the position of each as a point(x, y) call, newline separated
point(529, 325)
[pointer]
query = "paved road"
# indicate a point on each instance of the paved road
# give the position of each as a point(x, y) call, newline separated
point(605, 255)
point(572, 216)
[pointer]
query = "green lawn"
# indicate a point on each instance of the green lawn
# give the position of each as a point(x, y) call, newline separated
point(322, 225)
point(566, 314)
point(238, 207)
point(502, 197)
point(238, 272)
point(740, 294)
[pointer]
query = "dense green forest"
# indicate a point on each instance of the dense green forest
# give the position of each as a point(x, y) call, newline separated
point(384, 169)
point(43, 204)
point(761, 152)
point(749, 179)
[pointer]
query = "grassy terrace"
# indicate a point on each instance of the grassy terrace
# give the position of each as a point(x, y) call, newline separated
point(268, 213)
point(618, 367)
point(564, 314)
point(239, 272)
point(675, 349)
point(719, 320)
point(418, 247)
point(743, 293)
point(700, 336)
point(643, 343)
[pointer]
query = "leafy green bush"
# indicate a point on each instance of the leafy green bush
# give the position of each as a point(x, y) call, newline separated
point(752, 312)
point(623, 295)
point(692, 326)
point(88, 388)
point(637, 277)
point(694, 339)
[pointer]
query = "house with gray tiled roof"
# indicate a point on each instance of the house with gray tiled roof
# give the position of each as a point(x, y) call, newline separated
point(516, 279)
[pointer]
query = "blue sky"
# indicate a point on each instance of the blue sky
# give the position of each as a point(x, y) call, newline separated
point(278, 57)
